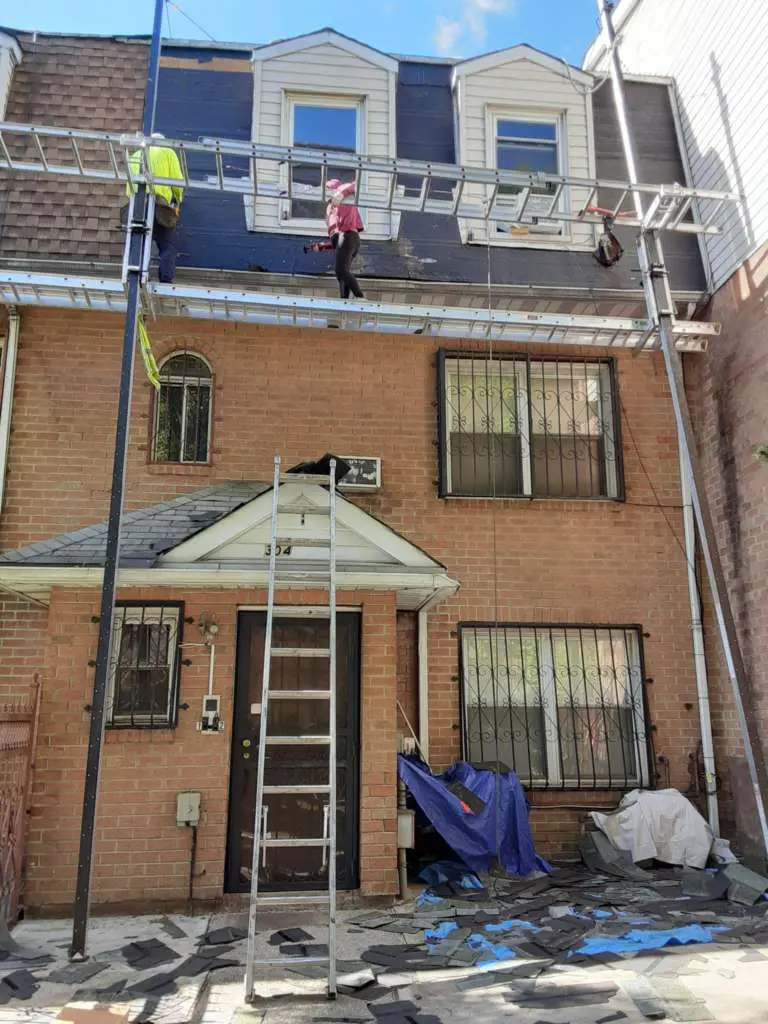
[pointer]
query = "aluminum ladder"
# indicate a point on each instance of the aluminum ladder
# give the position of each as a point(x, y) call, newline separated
point(281, 576)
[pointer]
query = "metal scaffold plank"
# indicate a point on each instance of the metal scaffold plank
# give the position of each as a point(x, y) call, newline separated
point(457, 323)
point(469, 192)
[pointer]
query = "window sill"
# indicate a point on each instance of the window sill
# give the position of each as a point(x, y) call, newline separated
point(311, 229)
point(532, 241)
point(529, 498)
point(180, 468)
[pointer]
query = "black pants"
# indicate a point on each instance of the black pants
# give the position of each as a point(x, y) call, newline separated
point(165, 240)
point(347, 246)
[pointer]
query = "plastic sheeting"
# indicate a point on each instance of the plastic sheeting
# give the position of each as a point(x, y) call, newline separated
point(661, 825)
point(639, 940)
point(479, 839)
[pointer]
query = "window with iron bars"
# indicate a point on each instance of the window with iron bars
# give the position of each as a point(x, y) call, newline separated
point(513, 427)
point(182, 420)
point(563, 706)
point(143, 679)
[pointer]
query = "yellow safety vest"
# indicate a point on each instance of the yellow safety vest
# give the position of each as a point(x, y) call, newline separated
point(163, 163)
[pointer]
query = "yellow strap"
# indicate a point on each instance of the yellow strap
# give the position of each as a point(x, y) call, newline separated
point(153, 373)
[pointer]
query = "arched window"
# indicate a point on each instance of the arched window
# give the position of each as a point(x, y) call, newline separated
point(182, 423)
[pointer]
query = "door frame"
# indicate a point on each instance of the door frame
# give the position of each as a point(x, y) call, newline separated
point(232, 883)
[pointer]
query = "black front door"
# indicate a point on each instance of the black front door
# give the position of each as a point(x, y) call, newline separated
point(301, 816)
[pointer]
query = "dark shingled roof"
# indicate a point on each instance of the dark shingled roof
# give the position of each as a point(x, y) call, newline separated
point(147, 533)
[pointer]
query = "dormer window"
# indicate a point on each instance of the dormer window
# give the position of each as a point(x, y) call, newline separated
point(322, 91)
point(521, 110)
point(331, 124)
point(531, 144)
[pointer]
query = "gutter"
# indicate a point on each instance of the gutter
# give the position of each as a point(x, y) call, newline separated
point(7, 381)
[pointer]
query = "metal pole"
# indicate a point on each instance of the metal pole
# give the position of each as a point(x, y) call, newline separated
point(660, 308)
point(138, 239)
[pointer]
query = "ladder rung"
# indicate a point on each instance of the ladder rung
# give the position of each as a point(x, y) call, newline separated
point(299, 694)
point(304, 542)
point(287, 573)
point(304, 478)
point(301, 652)
point(283, 612)
point(286, 898)
point(274, 844)
point(303, 509)
point(297, 790)
point(289, 961)
point(291, 741)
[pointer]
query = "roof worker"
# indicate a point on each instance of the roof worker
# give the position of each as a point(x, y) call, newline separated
point(344, 225)
point(162, 162)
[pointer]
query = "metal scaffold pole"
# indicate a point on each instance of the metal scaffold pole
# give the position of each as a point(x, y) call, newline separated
point(139, 239)
point(660, 309)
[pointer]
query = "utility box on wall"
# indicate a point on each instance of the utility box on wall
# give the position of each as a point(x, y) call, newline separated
point(188, 808)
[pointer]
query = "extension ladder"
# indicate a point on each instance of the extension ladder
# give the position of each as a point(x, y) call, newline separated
point(280, 576)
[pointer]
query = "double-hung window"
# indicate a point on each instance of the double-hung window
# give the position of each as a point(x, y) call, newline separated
point(143, 679)
point(516, 427)
point(531, 145)
point(326, 123)
point(560, 705)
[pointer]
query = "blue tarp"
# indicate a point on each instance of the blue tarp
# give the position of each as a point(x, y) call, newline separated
point(638, 940)
point(477, 838)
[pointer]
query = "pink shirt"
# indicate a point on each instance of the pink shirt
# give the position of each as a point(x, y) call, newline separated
point(343, 218)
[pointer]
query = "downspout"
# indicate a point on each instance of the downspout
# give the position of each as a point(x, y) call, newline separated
point(423, 698)
point(699, 658)
point(7, 381)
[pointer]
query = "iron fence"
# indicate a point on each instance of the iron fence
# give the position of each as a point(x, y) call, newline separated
point(18, 737)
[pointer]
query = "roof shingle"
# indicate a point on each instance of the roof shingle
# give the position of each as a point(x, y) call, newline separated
point(146, 534)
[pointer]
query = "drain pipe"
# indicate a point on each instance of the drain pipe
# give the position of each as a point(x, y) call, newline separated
point(699, 657)
point(423, 697)
point(7, 381)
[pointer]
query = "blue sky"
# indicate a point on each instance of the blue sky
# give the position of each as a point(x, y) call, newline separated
point(454, 27)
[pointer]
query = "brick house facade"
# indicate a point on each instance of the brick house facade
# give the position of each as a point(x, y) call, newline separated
point(602, 569)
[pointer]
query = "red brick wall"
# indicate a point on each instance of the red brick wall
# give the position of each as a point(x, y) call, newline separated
point(305, 392)
point(728, 390)
point(22, 643)
point(141, 855)
point(408, 671)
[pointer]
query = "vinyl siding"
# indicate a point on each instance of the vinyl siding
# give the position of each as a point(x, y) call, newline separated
point(326, 70)
point(523, 86)
point(716, 53)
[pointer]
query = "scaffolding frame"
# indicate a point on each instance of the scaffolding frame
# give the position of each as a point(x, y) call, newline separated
point(395, 185)
point(471, 193)
point(451, 322)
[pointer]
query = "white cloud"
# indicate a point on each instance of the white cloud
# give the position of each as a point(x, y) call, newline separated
point(471, 20)
point(447, 32)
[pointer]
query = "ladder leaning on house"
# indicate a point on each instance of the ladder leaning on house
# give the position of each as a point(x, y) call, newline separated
point(262, 841)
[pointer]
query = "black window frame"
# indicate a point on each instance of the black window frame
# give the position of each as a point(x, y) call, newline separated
point(643, 744)
point(141, 721)
point(445, 356)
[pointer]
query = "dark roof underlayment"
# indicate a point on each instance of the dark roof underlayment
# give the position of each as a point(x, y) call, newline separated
point(197, 100)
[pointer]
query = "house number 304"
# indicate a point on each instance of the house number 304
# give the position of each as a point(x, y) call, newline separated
point(282, 549)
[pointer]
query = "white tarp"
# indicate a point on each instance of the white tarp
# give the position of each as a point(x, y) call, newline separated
point(660, 824)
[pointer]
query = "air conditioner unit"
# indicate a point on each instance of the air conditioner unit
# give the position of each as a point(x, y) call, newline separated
point(364, 473)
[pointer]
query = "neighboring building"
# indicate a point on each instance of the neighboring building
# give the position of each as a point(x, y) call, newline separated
point(510, 568)
point(714, 55)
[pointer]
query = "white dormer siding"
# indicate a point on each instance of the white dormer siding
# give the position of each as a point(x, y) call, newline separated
point(523, 87)
point(324, 72)
point(10, 56)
